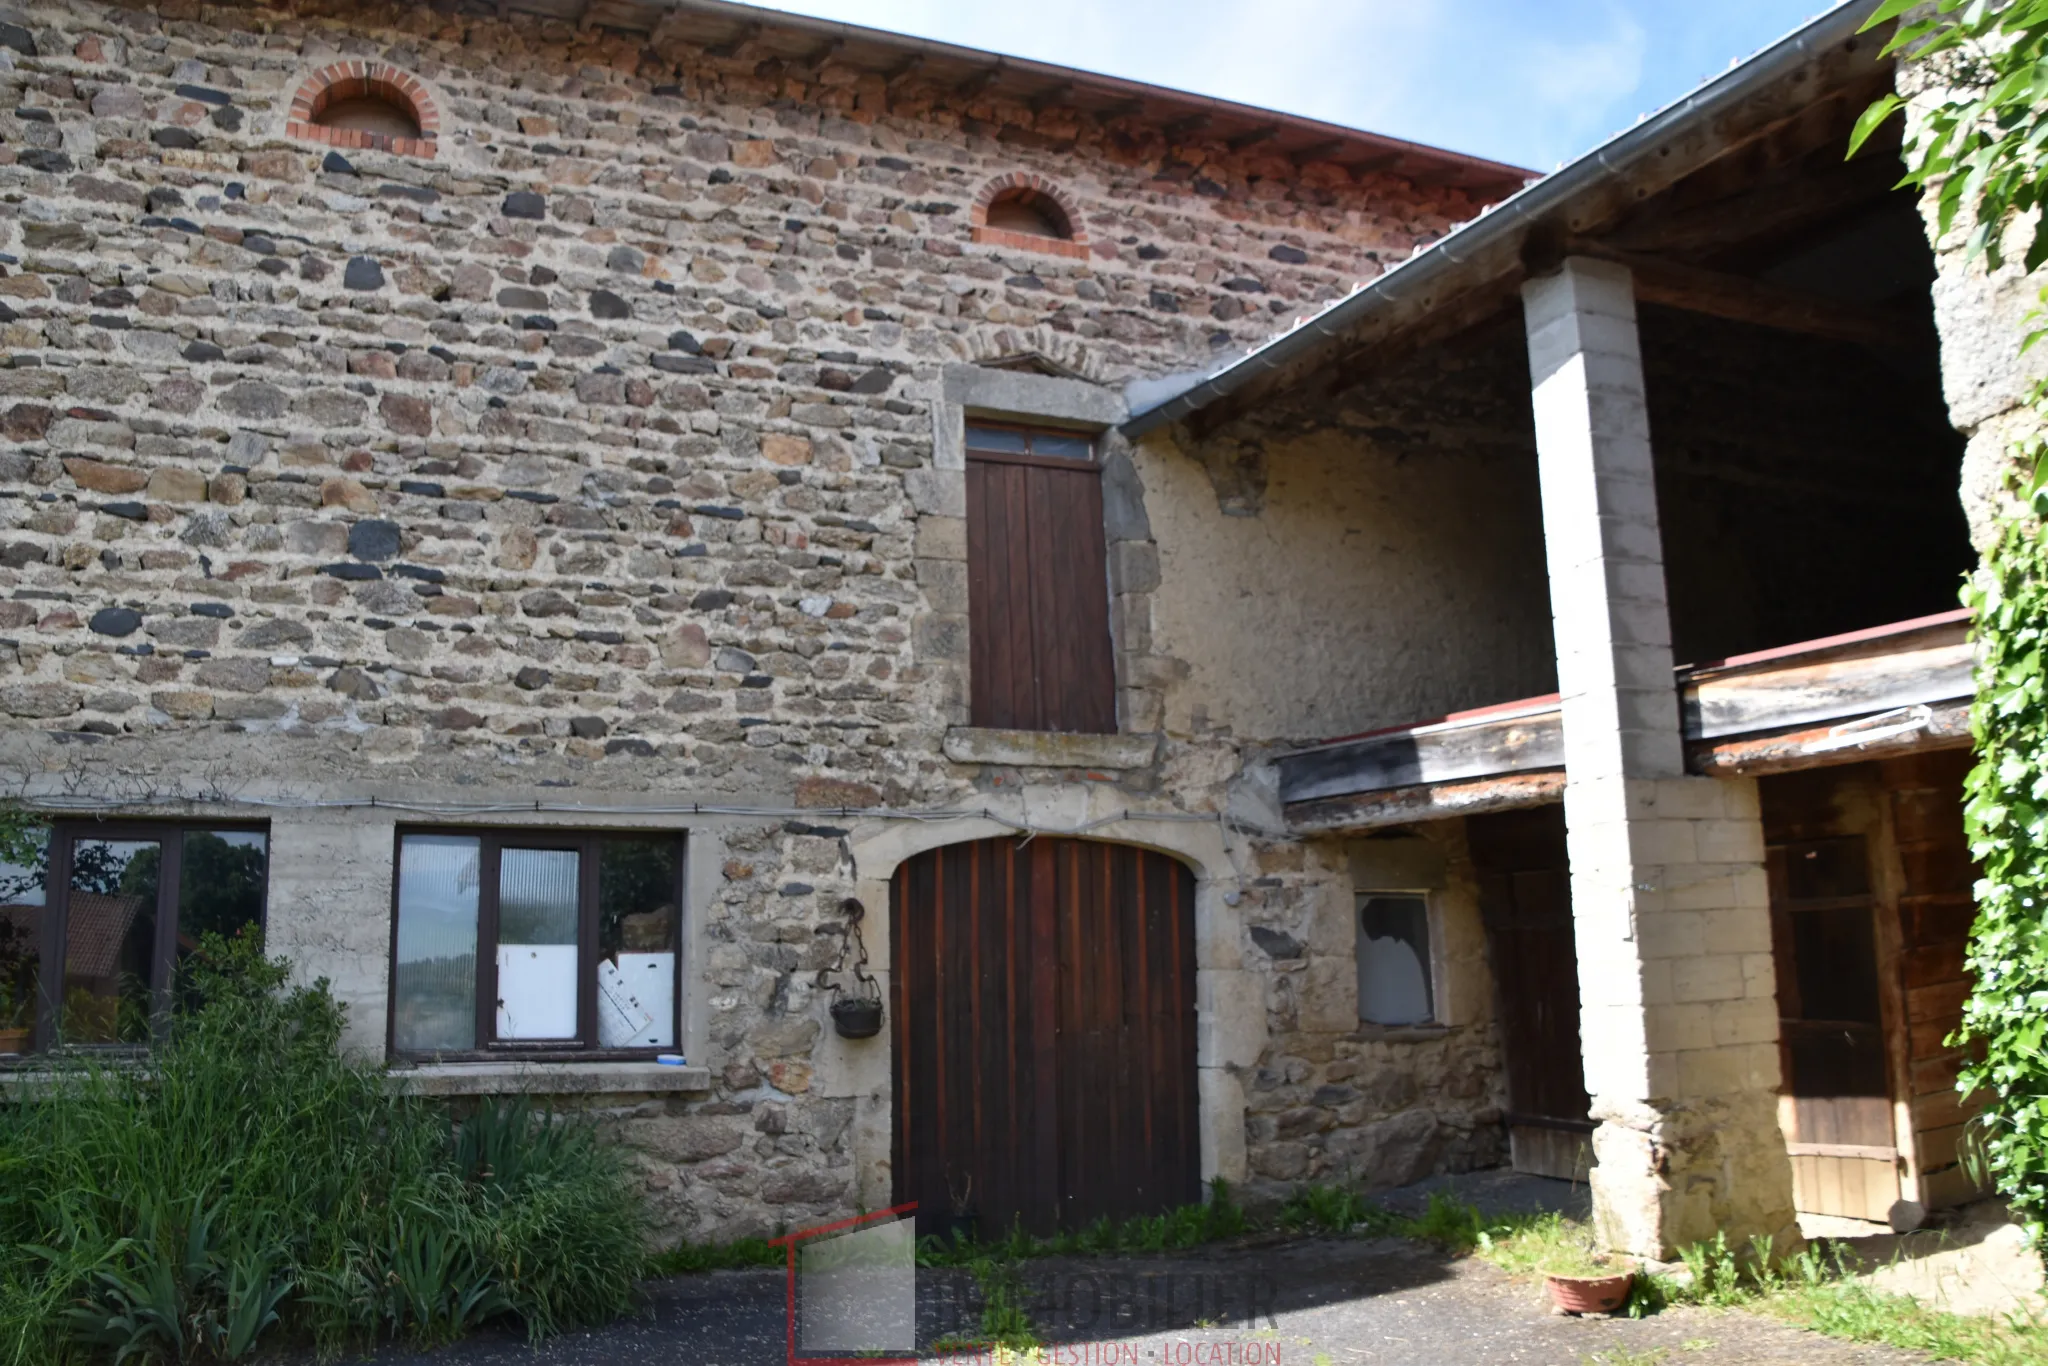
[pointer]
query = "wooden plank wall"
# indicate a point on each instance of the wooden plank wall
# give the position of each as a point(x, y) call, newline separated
point(1910, 809)
point(1925, 796)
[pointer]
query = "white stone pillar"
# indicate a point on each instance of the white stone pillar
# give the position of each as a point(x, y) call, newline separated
point(1678, 1012)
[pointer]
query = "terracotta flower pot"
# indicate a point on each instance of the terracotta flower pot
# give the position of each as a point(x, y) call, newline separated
point(1590, 1294)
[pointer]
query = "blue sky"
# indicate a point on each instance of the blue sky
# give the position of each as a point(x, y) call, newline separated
point(1531, 82)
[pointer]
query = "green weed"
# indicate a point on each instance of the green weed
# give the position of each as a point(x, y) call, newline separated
point(690, 1258)
point(252, 1184)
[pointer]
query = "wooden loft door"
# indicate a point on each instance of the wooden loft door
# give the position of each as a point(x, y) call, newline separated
point(1037, 583)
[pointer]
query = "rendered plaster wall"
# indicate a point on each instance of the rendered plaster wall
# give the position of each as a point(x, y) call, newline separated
point(1380, 560)
point(591, 461)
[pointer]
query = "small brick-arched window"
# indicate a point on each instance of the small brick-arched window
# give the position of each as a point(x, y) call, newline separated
point(366, 104)
point(1028, 212)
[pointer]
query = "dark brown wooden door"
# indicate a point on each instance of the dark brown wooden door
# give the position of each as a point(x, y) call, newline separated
point(1037, 588)
point(1043, 999)
point(1525, 900)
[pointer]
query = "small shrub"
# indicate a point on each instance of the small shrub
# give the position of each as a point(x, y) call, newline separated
point(251, 1183)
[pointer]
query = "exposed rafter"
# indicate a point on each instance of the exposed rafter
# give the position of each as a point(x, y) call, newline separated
point(1253, 138)
point(733, 46)
point(1738, 298)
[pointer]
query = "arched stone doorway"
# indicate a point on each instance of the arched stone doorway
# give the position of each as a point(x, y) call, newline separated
point(1044, 1033)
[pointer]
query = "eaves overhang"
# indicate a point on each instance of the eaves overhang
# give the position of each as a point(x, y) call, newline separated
point(1437, 269)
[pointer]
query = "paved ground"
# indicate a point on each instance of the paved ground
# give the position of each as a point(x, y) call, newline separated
point(1318, 1302)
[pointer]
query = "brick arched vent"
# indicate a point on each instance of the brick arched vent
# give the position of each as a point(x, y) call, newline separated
point(1030, 213)
point(366, 104)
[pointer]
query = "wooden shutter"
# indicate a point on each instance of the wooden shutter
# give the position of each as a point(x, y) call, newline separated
point(1037, 584)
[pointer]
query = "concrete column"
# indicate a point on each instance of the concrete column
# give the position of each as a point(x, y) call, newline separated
point(1678, 1012)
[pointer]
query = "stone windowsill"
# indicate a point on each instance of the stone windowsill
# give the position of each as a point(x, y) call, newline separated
point(473, 1079)
point(1048, 749)
point(547, 1078)
point(1372, 1033)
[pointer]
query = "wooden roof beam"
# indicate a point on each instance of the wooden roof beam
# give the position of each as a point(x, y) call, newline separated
point(1050, 96)
point(1254, 137)
point(733, 46)
point(978, 82)
point(1738, 298)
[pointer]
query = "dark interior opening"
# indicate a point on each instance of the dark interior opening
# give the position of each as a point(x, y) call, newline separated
point(1807, 486)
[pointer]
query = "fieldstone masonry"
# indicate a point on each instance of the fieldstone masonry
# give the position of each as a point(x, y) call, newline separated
point(1678, 1011)
point(593, 462)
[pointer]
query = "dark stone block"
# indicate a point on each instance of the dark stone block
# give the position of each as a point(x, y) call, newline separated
point(629, 745)
point(538, 322)
point(1244, 284)
point(218, 610)
point(1276, 944)
point(336, 164)
point(683, 365)
point(424, 574)
point(418, 194)
point(892, 163)
point(204, 94)
point(875, 381)
point(684, 342)
point(422, 488)
point(259, 244)
point(18, 38)
point(532, 678)
point(115, 621)
point(712, 599)
point(228, 119)
point(525, 204)
point(605, 304)
point(161, 198)
point(352, 571)
point(588, 727)
point(134, 512)
point(374, 540)
point(713, 510)
point(517, 296)
point(1165, 302)
point(1293, 256)
point(363, 273)
point(55, 163)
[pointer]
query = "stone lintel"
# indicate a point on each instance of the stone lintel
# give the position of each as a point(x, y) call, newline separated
point(1048, 749)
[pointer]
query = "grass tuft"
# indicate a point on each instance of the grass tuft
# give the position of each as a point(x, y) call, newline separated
point(686, 1259)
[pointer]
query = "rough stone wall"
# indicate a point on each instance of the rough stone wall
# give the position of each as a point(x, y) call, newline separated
point(1982, 316)
point(1334, 1100)
point(584, 461)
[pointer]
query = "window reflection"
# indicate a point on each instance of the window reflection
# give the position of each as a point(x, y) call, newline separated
point(433, 990)
point(110, 941)
point(23, 905)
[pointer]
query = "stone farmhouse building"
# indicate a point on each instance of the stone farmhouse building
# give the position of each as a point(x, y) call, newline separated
point(626, 535)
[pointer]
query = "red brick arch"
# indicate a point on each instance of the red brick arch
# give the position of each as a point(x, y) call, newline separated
point(357, 80)
point(1075, 244)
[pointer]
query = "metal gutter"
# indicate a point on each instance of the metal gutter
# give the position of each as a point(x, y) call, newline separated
point(1533, 203)
point(1116, 85)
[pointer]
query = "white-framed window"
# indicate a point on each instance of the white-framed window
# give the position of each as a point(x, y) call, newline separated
point(1397, 983)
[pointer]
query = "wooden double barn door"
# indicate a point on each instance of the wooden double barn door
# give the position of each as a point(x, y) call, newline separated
point(1043, 999)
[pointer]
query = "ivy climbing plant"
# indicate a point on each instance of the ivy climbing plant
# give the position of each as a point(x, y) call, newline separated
point(1977, 144)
